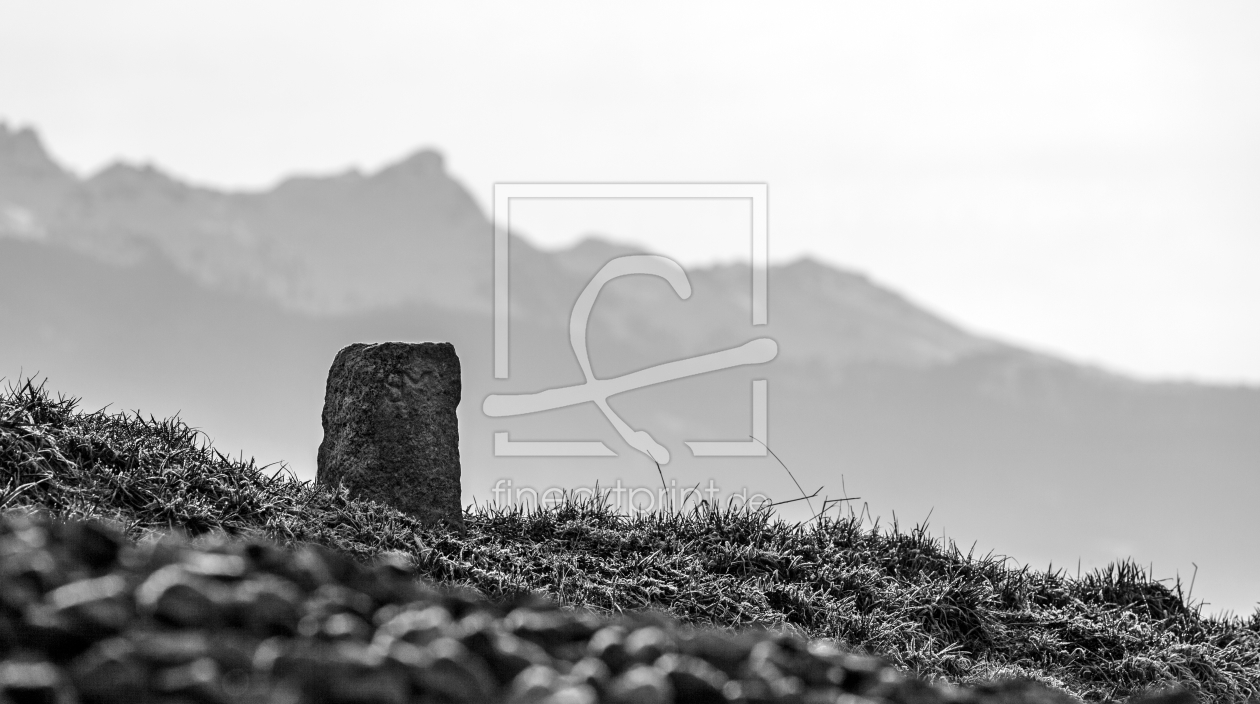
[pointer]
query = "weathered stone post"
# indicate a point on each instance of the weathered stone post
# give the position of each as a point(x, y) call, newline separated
point(390, 432)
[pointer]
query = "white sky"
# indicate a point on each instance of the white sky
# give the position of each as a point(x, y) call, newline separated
point(1083, 178)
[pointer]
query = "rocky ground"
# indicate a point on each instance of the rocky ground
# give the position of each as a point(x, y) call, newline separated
point(87, 616)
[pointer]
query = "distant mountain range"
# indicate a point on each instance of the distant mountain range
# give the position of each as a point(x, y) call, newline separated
point(130, 287)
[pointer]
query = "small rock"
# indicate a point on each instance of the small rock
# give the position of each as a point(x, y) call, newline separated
point(445, 668)
point(647, 644)
point(608, 644)
point(549, 628)
point(506, 654)
point(591, 671)
point(33, 682)
point(862, 674)
point(534, 684)
point(169, 648)
point(96, 544)
point(641, 684)
point(331, 598)
point(573, 694)
point(265, 606)
point(386, 686)
point(315, 667)
point(418, 627)
point(198, 680)
point(233, 650)
point(835, 695)
point(345, 626)
point(185, 606)
point(789, 690)
point(173, 596)
point(214, 565)
point(110, 674)
point(726, 651)
point(693, 679)
point(747, 691)
point(94, 608)
point(51, 631)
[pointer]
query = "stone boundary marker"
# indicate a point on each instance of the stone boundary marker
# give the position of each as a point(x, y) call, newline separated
point(390, 431)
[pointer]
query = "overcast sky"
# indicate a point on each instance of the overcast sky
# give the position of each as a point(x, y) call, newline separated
point(1083, 178)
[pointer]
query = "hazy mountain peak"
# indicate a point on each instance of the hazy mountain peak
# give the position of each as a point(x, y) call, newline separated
point(410, 233)
point(592, 252)
point(422, 164)
point(120, 177)
point(809, 266)
point(22, 152)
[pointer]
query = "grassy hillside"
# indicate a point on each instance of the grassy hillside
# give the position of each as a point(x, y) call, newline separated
point(903, 595)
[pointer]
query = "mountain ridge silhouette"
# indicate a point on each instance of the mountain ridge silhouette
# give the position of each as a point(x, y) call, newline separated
point(131, 287)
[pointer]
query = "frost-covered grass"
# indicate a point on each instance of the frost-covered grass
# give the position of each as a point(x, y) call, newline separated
point(904, 595)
